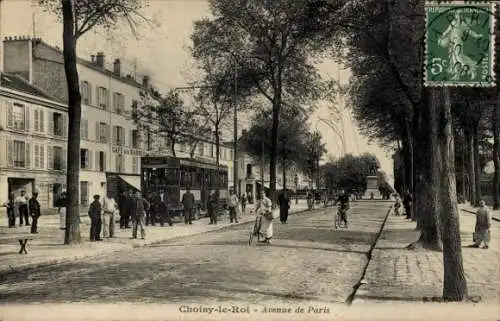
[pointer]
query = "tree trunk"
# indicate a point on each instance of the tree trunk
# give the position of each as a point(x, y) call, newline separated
point(72, 234)
point(284, 174)
point(425, 203)
point(471, 170)
point(496, 157)
point(477, 166)
point(217, 152)
point(274, 145)
point(172, 148)
point(455, 285)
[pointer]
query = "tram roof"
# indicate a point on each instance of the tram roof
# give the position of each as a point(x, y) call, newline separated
point(166, 161)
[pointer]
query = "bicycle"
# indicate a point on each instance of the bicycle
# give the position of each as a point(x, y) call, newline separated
point(338, 217)
point(255, 230)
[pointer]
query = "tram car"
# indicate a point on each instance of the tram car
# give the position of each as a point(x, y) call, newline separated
point(169, 177)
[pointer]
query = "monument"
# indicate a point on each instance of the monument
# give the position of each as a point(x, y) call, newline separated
point(372, 185)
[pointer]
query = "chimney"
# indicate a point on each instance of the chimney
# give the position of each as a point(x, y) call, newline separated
point(100, 59)
point(117, 67)
point(145, 82)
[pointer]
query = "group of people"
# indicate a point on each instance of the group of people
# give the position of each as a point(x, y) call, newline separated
point(23, 207)
point(406, 203)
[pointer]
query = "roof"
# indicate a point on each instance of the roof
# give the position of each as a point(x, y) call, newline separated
point(18, 83)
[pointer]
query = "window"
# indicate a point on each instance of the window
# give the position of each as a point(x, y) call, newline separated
point(101, 161)
point(19, 154)
point(57, 120)
point(18, 117)
point(39, 157)
point(58, 158)
point(86, 93)
point(120, 162)
point(84, 193)
point(202, 148)
point(135, 138)
point(118, 136)
point(249, 170)
point(103, 133)
point(85, 156)
point(84, 129)
point(102, 97)
point(118, 103)
point(39, 120)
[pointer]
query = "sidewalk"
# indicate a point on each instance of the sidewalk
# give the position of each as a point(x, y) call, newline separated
point(398, 274)
point(47, 247)
point(495, 215)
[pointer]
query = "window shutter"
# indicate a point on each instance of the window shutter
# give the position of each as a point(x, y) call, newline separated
point(37, 156)
point(41, 114)
point(115, 130)
point(10, 120)
point(50, 157)
point(108, 99)
point(89, 156)
point(63, 157)
point(37, 121)
point(27, 117)
point(107, 133)
point(122, 136)
point(10, 153)
point(42, 157)
point(96, 160)
point(105, 161)
point(89, 93)
point(51, 123)
point(27, 152)
point(98, 97)
point(97, 131)
point(86, 128)
point(65, 125)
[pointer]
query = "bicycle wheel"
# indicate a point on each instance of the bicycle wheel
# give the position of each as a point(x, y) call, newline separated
point(253, 232)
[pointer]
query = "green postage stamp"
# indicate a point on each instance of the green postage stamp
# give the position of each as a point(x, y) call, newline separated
point(459, 44)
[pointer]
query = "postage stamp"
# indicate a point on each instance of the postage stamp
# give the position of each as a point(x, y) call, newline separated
point(459, 44)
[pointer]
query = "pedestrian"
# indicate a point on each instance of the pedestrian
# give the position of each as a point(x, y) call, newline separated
point(284, 202)
point(188, 203)
point(163, 212)
point(95, 209)
point(139, 209)
point(233, 205)
point(108, 216)
point(264, 208)
point(243, 203)
point(397, 206)
point(212, 207)
point(61, 209)
point(11, 210)
point(22, 205)
point(482, 231)
point(34, 210)
point(407, 203)
point(150, 213)
point(124, 209)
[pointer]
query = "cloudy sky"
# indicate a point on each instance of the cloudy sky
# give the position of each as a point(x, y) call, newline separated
point(162, 52)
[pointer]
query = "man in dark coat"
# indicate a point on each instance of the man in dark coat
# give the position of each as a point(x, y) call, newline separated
point(213, 207)
point(163, 212)
point(188, 203)
point(139, 209)
point(124, 208)
point(34, 210)
point(284, 202)
point(407, 203)
point(95, 210)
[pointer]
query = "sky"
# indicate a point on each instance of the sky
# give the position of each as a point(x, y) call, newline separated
point(161, 50)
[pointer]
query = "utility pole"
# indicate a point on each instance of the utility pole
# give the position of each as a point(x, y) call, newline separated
point(236, 182)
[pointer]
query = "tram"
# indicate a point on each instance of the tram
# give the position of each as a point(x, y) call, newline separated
point(170, 176)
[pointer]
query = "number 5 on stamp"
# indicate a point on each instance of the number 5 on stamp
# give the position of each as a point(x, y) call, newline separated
point(459, 44)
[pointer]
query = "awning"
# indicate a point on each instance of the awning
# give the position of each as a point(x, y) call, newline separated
point(134, 181)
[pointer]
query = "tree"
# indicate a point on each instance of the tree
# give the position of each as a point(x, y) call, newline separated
point(271, 43)
point(167, 116)
point(79, 17)
point(314, 151)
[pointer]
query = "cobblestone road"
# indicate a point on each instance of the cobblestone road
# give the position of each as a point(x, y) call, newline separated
point(308, 260)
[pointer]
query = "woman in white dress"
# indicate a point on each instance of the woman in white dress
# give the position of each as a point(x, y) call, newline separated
point(62, 210)
point(264, 208)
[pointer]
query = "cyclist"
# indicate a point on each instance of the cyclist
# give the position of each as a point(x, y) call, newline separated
point(343, 199)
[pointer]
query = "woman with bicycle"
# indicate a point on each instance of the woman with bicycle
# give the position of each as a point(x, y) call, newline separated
point(265, 211)
point(343, 199)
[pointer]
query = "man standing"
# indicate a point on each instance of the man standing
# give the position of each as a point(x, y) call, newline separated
point(124, 208)
point(188, 203)
point(95, 219)
point(161, 209)
point(22, 205)
point(233, 204)
point(212, 207)
point(407, 202)
point(243, 203)
point(284, 203)
point(138, 215)
point(34, 210)
point(108, 209)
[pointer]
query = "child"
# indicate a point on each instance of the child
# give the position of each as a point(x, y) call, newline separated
point(95, 219)
point(397, 207)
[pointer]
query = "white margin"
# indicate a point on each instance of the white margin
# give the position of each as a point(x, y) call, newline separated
point(492, 5)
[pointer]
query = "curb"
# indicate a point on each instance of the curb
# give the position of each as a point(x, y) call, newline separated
point(4, 273)
point(471, 212)
point(356, 288)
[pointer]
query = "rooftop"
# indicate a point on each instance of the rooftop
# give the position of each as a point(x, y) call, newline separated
point(18, 83)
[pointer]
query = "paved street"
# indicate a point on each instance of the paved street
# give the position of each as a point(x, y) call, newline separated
point(308, 260)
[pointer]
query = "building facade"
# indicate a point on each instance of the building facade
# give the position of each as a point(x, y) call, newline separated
point(111, 144)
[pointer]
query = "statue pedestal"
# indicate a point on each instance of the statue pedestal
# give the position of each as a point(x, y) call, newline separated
point(372, 185)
